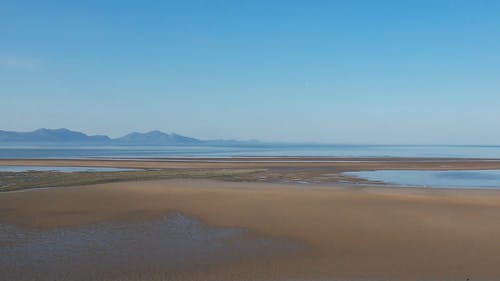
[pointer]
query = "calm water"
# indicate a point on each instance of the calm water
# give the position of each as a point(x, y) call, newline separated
point(457, 179)
point(61, 169)
point(255, 150)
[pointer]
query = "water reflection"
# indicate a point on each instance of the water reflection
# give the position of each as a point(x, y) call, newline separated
point(458, 179)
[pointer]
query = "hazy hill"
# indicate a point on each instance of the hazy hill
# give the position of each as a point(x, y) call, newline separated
point(155, 138)
point(51, 135)
point(65, 136)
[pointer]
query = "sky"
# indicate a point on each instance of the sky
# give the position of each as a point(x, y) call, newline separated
point(375, 72)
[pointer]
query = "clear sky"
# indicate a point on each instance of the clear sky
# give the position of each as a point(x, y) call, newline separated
point(408, 72)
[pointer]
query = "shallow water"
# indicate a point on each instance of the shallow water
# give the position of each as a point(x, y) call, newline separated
point(451, 179)
point(61, 169)
point(173, 243)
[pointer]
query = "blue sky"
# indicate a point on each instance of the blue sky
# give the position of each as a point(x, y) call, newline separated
point(406, 72)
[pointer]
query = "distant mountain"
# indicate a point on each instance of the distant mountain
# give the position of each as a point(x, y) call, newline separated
point(65, 136)
point(50, 135)
point(155, 138)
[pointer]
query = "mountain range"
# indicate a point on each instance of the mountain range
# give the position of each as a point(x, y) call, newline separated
point(65, 136)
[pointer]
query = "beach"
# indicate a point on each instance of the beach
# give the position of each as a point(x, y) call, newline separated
point(325, 231)
point(250, 140)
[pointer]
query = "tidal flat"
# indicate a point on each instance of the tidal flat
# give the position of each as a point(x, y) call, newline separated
point(300, 170)
point(256, 222)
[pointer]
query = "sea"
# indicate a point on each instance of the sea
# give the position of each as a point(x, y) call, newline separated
point(266, 150)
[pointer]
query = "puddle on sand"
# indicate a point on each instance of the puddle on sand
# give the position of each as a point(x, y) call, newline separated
point(489, 179)
point(171, 244)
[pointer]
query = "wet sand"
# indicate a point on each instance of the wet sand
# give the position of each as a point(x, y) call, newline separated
point(300, 170)
point(348, 232)
point(170, 245)
point(333, 163)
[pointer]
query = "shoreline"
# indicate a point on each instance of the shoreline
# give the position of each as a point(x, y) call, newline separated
point(303, 171)
point(369, 233)
point(354, 230)
point(348, 163)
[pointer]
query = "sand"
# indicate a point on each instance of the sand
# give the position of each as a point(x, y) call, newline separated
point(348, 232)
point(332, 163)
point(300, 170)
